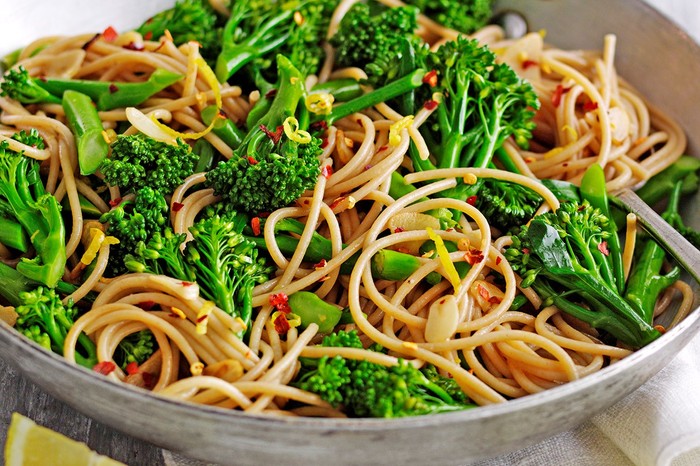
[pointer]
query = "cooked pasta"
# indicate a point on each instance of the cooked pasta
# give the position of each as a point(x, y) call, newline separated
point(467, 327)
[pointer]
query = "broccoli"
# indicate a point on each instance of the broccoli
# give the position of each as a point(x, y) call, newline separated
point(187, 20)
point(134, 221)
point(507, 205)
point(465, 17)
point(135, 348)
point(376, 41)
point(24, 200)
point(107, 95)
point(277, 160)
point(138, 160)
point(219, 259)
point(366, 389)
point(43, 318)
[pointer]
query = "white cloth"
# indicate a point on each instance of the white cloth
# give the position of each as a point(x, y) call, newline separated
point(657, 425)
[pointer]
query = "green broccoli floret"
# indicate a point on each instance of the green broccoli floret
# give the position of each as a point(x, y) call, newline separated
point(366, 389)
point(567, 258)
point(132, 222)
point(224, 264)
point(507, 205)
point(135, 348)
point(270, 169)
point(464, 16)
point(18, 85)
point(43, 318)
point(138, 160)
point(188, 20)
point(23, 200)
point(375, 40)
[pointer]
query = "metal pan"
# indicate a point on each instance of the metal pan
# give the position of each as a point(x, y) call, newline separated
point(655, 56)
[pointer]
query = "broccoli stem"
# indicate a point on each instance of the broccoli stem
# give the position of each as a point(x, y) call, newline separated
point(594, 191)
point(109, 95)
point(659, 185)
point(312, 309)
point(392, 90)
point(342, 90)
point(206, 154)
point(386, 264)
point(12, 235)
point(86, 125)
point(223, 127)
point(86, 207)
point(12, 283)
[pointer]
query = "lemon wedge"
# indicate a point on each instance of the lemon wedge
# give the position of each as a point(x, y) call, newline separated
point(30, 444)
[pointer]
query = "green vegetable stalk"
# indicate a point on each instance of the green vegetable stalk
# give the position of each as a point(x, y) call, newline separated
point(87, 128)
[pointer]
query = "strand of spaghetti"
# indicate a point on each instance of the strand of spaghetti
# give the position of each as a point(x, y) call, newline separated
point(686, 304)
point(114, 333)
point(91, 195)
point(550, 59)
point(574, 340)
point(95, 275)
point(221, 327)
point(280, 367)
point(133, 282)
point(29, 151)
point(191, 385)
point(361, 157)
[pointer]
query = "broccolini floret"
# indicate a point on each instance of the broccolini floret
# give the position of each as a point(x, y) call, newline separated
point(24, 200)
point(366, 389)
point(278, 159)
point(507, 205)
point(135, 348)
point(567, 258)
point(224, 264)
point(43, 318)
point(139, 161)
point(375, 40)
point(134, 221)
point(464, 16)
point(187, 20)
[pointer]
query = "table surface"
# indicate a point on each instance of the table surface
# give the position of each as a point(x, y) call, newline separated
point(17, 394)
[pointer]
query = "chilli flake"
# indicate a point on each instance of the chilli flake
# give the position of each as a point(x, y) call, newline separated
point(603, 248)
point(104, 367)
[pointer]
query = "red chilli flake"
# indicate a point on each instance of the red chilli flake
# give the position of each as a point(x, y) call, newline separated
point(113, 88)
point(146, 305)
point(430, 105)
point(483, 292)
point(603, 248)
point(321, 264)
point(528, 63)
point(324, 143)
point(430, 78)
point(281, 302)
point(148, 35)
point(398, 229)
point(115, 202)
point(251, 160)
point(526, 251)
point(471, 200)
point(558, 93)
point(327, 171)
point(149, 380)
point(133, 46)
point(473, 256)
point(590, 106)
point(319, 126)
point(177, 206)
point(495, 300)
point(132, 368)
point(498, 260)
point(337, 202)
point(186, 283)
point(274, 136)
point(104, 367)
point(255, 225)
point(282, 324)
point(383, 148)
point(271, 93)
point(110, 34)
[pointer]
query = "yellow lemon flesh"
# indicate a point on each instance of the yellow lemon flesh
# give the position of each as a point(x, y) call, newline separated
point(30, 444)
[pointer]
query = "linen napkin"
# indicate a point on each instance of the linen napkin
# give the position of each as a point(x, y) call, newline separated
point(657, 425)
